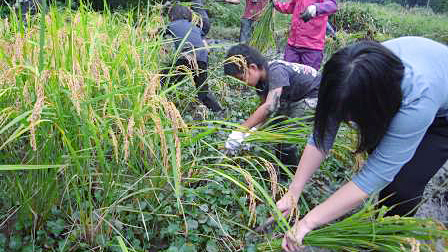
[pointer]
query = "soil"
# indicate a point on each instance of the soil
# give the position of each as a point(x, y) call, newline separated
point(435, 203)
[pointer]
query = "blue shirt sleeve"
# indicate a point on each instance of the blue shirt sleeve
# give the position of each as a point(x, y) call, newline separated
point(398, 146)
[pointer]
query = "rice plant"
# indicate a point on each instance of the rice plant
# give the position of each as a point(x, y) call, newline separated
point(369, 229)
point(263, 35)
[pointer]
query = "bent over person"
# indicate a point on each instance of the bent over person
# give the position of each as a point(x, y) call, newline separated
point(396, 93)
point(194, 54)
point(286, 89)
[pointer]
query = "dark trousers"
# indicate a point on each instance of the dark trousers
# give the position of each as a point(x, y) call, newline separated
point(246, 30)
point(406, 190)
point(288, 153)
point(199, 77)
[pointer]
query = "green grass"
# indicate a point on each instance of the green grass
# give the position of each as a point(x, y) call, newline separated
point(392, 20)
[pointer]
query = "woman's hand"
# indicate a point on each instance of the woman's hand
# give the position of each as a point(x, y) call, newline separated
point(292, 241)
point(287, 203)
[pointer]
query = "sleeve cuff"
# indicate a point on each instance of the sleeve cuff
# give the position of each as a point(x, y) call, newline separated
point(311, 140)
point(317, 8)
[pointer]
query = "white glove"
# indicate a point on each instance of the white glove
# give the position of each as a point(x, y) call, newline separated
point(309, 13)
point(236, 138)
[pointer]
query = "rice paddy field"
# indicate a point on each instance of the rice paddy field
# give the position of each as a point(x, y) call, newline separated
point(96, 156)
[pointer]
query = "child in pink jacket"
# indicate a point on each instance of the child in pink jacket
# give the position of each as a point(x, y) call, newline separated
point(306, 40)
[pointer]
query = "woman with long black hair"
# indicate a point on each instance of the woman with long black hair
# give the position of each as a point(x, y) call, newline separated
point(396, 93)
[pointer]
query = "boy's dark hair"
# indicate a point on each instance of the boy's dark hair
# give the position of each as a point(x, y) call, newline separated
point(250, 55)
point(178, 12)
point(360, 83)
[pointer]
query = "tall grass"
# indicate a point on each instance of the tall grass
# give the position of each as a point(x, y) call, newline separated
point(88, 138)
point(391, 20)
point(80, 90)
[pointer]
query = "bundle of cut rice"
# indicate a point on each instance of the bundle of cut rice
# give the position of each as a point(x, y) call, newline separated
point(263, 35)
point(370, 230)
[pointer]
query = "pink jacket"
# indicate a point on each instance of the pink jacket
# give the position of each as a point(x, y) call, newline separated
point(311, 34)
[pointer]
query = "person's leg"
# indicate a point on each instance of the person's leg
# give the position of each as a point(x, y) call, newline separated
point(245, 30)
point(291, 54)
point(169, 76)
point(406, 190)
point(312, 58)
point(205, 26)
point(286, 152)
point(204, 94)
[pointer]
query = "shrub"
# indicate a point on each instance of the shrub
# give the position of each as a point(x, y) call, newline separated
point(353, 17)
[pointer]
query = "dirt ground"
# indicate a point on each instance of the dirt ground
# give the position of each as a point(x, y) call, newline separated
point(435, 204)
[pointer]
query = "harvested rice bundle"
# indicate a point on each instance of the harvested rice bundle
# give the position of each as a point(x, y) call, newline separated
point(370, 230)
point(263, 35)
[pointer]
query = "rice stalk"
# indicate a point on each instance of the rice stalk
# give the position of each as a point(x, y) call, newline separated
point(252, 202)
point(94, 71)
point(163, 145)
point(42, 29)
point(272, 177)
point(369, 229)
point(17, 57)
point(128, 137)
point(238, 60)
point(114, 143)
point(9, 76)
point(177, 123)
point(153, 84)
point(263, 36)
point(35, 116)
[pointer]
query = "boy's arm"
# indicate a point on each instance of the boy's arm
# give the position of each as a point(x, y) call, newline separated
point(266, 109)
point(326, 7)
point(284, 7)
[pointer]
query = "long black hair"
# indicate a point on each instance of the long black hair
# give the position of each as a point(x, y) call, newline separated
point(360, 83)
point(250, 55)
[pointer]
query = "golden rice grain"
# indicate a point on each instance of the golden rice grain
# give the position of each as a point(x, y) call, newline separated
point(272, 177)
point(114, 143)
point(252, 202)
point(128, 137)
point(35, 116)
point(159, 131)
point(153, 85)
